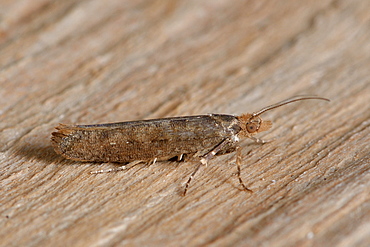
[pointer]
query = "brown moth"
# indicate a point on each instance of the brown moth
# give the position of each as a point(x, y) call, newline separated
point(202, 136)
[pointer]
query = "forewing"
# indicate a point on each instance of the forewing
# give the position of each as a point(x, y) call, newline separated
point(143, 140)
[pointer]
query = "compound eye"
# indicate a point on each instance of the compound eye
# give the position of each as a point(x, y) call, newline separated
point(252, 127)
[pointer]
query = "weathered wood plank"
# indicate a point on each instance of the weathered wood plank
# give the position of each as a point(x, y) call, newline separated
point(88, 62)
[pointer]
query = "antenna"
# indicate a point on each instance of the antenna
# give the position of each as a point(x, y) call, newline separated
point(287, 101)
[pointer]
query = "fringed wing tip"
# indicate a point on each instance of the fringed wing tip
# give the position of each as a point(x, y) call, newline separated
point(63, 126)
point(63, 130)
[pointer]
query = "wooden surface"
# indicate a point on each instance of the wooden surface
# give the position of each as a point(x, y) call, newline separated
point(108, 61)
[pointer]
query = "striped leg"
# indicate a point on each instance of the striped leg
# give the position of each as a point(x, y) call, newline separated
point(204, 161)
point(238, 162)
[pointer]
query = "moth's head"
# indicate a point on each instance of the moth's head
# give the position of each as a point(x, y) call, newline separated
point(252, 125)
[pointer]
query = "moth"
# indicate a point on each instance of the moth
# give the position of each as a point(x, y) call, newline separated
point(201, 137)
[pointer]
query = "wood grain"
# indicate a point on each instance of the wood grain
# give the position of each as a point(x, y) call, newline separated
point(87, 62)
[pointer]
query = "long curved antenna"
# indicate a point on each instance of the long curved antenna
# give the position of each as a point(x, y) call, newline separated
point(287, 101)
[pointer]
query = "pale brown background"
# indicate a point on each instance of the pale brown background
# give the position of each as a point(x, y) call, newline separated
point(105, 61)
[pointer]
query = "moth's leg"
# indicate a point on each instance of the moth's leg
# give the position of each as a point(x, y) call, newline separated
point(153, 162)
point(190, 178)
point(204, 161)
point(121, 168)
point(238, 162)
point(260, 140)
point(180, 157)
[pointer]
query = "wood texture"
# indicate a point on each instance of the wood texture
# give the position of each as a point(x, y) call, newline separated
point(87, 62)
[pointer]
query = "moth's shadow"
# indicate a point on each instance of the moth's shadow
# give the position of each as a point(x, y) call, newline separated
point(40, 153)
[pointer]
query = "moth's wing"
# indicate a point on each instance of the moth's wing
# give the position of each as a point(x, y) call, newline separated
point(143, 140)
